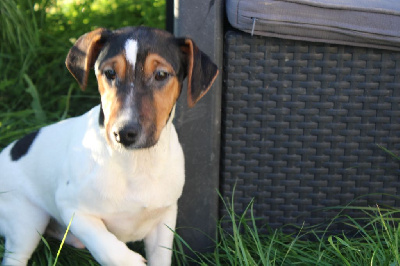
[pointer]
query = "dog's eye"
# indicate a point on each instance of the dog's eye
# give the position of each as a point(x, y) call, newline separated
point(110, 74)
point(161, 75)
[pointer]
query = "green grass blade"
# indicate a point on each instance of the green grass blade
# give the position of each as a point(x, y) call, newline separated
point(36, 106)
point(63, 240)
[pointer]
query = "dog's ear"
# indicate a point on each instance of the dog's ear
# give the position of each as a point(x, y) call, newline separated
point(201, 71)
point(83, 54)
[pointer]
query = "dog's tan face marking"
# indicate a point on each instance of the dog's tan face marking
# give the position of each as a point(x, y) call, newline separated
point(136, 93)
point(158, 70)
point(111, 102)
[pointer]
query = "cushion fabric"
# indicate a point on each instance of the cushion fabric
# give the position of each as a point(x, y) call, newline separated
point(373, 23)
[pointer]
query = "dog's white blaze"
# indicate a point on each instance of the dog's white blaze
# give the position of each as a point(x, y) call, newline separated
point(96, 68)
point(131, 49)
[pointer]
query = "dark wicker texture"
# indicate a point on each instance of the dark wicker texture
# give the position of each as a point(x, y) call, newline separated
point(301, 127)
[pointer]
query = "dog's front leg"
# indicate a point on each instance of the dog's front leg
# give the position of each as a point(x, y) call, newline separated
point(103, 245)
point(158, 243)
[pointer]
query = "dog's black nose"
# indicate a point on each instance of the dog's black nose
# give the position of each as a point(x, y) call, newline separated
point(127, 135)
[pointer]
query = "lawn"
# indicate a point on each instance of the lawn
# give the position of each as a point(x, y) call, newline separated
point(36, 89)
point(375, 240)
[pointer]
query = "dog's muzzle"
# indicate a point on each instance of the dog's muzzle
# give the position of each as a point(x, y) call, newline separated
point(127, 135)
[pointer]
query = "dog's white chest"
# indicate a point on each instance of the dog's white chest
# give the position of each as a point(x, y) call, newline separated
point(129, 192)
point(131, 226)
point(131, 208)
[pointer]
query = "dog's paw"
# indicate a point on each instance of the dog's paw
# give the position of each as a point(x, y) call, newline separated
point(135, 259)
point(141, 261)
point(122, 258)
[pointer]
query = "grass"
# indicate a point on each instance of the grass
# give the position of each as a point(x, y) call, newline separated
point(374, 240)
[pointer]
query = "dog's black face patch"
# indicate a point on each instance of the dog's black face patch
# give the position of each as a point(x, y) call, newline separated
point(21, 147)
point(101, 117)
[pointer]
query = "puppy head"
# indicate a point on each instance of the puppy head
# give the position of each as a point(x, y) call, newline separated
point(139, 71)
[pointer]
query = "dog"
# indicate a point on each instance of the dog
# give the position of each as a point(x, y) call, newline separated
point(117, 171)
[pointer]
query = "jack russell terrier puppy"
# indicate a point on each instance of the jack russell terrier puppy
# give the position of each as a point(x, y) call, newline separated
point(118, 169)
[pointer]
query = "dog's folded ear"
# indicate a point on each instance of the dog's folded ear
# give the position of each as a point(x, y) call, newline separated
point(201, 71)
point(83, 54)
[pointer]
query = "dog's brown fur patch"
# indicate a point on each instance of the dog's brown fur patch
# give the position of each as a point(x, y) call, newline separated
point(165, 97)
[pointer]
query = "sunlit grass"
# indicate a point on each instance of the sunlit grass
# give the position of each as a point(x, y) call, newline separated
point(374, 241)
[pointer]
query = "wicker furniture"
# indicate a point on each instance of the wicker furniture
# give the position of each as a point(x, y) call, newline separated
point(310, 89)
point(302, 125)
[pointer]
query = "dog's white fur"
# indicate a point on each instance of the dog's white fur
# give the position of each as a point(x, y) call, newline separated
point(80, 176)
point(131, 48)
point(115, 192)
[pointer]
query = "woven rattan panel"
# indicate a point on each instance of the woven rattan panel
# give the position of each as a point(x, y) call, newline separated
point(301, 127)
